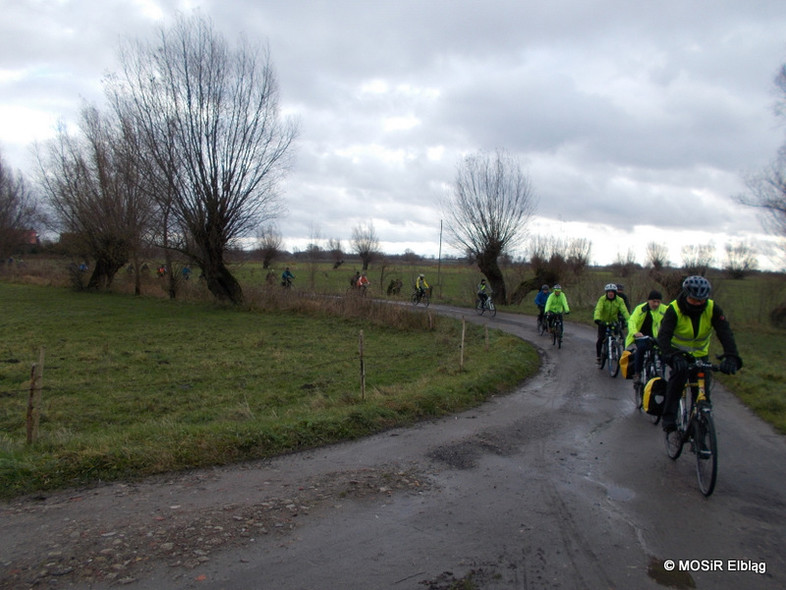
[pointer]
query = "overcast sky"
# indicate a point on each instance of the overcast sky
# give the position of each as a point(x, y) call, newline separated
point(635, 121)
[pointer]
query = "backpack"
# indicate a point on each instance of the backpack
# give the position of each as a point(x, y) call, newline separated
point(654, 398)
point(626, 364)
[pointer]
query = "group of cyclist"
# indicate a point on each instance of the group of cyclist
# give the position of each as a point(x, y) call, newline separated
point(681, 329)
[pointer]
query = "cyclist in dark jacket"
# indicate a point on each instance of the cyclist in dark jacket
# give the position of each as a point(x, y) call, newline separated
point(686, 329)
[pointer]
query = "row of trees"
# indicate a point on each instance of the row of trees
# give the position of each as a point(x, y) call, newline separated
point(187, 155)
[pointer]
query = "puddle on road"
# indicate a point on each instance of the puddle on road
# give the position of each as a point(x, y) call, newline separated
point(620, 494)
point(672, 578)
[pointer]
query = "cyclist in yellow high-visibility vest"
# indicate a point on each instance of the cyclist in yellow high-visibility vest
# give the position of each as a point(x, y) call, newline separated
point(644, 320)
point(685, 332)
point(556, 303)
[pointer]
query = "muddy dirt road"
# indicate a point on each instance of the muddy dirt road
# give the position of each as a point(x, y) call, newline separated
point(561, 484)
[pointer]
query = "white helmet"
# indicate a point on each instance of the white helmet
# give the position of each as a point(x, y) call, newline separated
point(611, 287)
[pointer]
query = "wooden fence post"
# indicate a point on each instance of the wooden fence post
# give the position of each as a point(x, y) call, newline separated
point(362, 369)
point(34, 401)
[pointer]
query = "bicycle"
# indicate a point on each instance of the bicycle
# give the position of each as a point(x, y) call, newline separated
point(652, 367)
point(611, 349)
point(556, 329)
point(419, 296)
point(485, 306)
point(696, 425)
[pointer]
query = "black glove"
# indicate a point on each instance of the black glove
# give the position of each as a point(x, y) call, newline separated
point(598, 322)
point(730, 364)
point(679, 363)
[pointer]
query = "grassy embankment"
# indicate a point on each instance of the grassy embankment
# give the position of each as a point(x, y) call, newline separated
point(136, 386)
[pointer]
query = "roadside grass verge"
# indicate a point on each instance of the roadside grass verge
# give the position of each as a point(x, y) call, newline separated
point(139, 386)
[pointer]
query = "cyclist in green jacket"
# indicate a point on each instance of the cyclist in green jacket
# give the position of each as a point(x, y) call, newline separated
point(607, 311)
point(556, 303)
point(685, 333)
point(644, 321)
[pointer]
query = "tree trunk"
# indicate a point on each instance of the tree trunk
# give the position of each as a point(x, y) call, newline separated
point(221, 283)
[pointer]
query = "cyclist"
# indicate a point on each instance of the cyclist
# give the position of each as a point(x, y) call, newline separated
point(644, 321)
point(286, 278)
point(362, 283)
point(421, 286)
point(540, 301)
point(607, 310)
point(686, 330)
point(556, 303)
point(623, 296)
point(483, 292)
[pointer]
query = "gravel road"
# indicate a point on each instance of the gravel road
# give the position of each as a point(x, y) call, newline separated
point(560, 484)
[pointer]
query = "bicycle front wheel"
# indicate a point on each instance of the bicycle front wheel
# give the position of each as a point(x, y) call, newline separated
point(426, 299)
point(614, 358)
point(492, 309)
point(604, 353)
point(706, 442)
point(560, 332)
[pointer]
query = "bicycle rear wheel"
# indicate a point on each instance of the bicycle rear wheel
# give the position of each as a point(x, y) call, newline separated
point(479, 307)
point(706, 442)
point(614, 358)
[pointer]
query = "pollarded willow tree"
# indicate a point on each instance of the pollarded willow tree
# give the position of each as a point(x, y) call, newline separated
point(215, 147)
point(488, 210)
point(93, 185)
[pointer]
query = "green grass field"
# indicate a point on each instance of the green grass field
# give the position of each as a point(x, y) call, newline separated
point(142, 385)
point(136, 386)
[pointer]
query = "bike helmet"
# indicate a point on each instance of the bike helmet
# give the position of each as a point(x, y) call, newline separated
point(558, 287)
point(697, 287)
point(544, 287)
point(611, 287)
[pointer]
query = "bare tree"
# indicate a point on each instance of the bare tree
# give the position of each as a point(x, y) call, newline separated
point(93, 185)
point(697, 258)
point(488, 210)
point(336, 252)
point(269, 241)
point(365, 243)
point(657, 255)
point(740, 260)
point(208, 119)
point(18, 210)
point(767, 189)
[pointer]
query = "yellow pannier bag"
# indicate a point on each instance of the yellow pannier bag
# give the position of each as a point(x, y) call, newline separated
point(654, 396)
point(626, 364)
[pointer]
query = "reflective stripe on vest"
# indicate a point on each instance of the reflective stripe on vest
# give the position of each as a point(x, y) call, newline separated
point(684, 339)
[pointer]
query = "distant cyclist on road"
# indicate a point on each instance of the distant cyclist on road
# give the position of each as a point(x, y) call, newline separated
point(540, 301)
point(607, 311)
point(421, 286)
point(686, 329)
point(644, 321)
point(556, 303)
point(286, 278)
point(483, 291)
